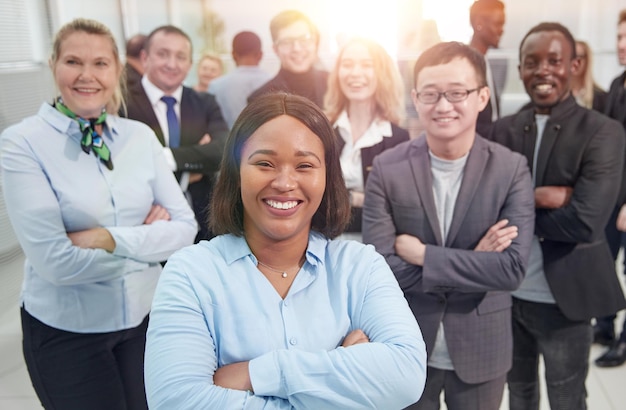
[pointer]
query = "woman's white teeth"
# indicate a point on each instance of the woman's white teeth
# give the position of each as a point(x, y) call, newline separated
point(282, 205)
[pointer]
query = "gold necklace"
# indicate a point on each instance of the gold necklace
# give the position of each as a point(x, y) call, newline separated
point(283, 273)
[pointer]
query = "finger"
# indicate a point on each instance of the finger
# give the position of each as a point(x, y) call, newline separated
point(499, 225)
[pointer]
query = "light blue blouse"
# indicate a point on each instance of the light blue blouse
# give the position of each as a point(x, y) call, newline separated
point(213, 307)
point(52, 187)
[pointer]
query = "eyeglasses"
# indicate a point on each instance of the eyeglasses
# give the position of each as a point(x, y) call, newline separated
point(289, 43)
point(453, 96)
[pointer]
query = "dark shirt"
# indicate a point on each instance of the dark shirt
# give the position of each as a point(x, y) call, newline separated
point(311, 85)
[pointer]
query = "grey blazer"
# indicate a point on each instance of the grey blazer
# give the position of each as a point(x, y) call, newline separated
point(467, 290)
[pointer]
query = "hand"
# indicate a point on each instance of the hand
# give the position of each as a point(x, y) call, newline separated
point(206, 138)
point(621, 219)
point(157, 213)
point(498, 237)
point(410, 248)
point(357, 199)
point(355, 337)
point(233, 376)
point(552, 197)
point(195, 177)
point(95, 238)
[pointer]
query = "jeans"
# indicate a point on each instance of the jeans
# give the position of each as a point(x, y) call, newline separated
point(540, 328)
point(77, 371)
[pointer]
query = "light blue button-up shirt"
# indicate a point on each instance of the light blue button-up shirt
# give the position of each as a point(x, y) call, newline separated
point(51, 187)
point(213, 307)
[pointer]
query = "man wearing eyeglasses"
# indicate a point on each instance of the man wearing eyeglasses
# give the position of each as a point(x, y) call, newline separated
point(453, 215)
point(296, 41)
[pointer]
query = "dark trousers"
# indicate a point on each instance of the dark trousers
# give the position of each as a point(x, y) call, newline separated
point(615, 239)
point(85, 370)
point(459, 395)
point(541, 329)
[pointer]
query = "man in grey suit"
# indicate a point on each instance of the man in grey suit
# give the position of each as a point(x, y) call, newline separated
point(453, 215)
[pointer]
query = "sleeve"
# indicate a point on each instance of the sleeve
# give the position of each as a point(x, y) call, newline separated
point(34, 212)
point(387, 373)
point(595, 191)
point(180, 357)
point(157, 241)
point(466, 270)
point(204, 158)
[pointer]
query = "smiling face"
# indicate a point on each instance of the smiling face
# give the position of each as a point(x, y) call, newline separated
point(296, 47)
point(283, 178)
point(445, 122)
point(546, 67)
point(167, 60)
point(86, 73)
point(356, 73)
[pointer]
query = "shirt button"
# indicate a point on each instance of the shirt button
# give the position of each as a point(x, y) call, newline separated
point(293, 341)
point(285, 303)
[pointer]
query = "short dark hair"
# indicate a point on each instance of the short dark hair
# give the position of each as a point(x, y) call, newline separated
point(226, 215)
point(550, 26)
point(287, 18)
point(622, 17)
point(443, 53)
point(135, 44)
point(483, 7)
point(168, 29)
point(246, 43)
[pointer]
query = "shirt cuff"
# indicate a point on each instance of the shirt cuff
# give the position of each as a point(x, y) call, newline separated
point(169, 158)
point(265, 376)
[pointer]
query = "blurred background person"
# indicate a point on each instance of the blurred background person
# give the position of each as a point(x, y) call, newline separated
point(487, 19)
point(604, 329)
point(133, 67)
point(95, 208)
point(584, 88)
point(189, 124)
point(233, 89)
point(365, 104)
point(296, 41)
point(210, 67)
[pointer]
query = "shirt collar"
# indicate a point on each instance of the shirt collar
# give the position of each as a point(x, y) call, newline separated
point(154, 93)
point(66, 125)
point(236, 247)
point(378, 127)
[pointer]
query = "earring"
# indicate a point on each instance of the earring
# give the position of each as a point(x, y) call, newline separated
point(479, 27)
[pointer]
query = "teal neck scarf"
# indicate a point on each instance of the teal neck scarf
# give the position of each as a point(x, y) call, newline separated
point(91, 141)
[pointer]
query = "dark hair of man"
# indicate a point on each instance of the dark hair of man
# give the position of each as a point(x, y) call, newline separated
point(287, 18)
point(443, 53)
point(246, 43)
point(551, 26)
point(482, 8)
point(135, 44)
point(622, 17)
point(168, 29)
point(226, 215)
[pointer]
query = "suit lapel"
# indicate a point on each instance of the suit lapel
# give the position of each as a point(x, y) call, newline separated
point(145, 112)
point(472, 174)
point(420, 164)
point(548, 139)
